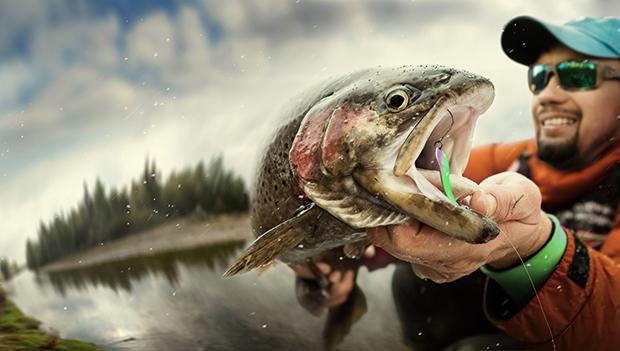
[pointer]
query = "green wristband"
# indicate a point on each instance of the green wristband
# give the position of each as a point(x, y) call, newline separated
point(515, 280)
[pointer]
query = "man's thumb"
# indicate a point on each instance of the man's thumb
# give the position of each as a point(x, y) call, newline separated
point(506, 196)
point(484, 203)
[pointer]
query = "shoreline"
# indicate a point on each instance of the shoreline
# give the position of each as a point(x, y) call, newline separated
point(19, 332)
point(176, 235)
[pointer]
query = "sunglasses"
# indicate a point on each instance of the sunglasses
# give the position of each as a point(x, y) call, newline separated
point(573, 75)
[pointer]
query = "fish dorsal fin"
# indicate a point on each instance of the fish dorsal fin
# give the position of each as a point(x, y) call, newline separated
point(353, 210)
point(271, 244)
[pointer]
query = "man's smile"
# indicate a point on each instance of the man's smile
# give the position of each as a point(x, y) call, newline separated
point(554, 123)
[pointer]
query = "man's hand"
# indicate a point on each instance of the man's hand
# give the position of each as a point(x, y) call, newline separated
point(508, 198)
point(341, 283)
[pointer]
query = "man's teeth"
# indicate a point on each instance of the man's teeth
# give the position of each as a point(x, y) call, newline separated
point(558, 122)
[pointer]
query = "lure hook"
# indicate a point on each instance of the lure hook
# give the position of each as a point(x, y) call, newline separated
point(438, 143)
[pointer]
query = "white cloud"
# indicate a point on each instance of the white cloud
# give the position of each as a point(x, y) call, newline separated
point(148, 43)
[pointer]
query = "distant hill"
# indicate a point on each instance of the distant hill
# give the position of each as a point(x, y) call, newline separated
point(147, 202)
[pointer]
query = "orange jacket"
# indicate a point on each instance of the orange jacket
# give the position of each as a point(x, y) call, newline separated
point(581, 299)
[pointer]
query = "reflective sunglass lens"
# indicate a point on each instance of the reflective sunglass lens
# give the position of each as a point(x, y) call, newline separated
point(576, 75)
point(537, 77)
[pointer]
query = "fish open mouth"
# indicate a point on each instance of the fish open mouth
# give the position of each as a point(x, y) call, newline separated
point(449, 125)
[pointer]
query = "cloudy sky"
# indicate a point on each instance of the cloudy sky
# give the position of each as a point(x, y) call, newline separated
point(91, 88)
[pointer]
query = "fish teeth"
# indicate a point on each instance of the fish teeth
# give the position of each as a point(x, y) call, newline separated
point(560, 121)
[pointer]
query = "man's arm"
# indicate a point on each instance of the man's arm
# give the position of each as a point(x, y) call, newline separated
point(579, 297)
point(579, 300)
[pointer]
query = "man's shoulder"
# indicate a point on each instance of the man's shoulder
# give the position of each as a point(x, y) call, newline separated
point(489, 159)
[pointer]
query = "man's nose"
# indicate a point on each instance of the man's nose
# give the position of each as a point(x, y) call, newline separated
point(553, 92)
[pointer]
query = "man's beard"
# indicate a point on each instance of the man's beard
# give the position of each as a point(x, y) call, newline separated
point(560, 156)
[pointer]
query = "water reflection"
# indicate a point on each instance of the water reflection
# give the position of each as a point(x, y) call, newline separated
point(120, 275)
point(179, 301)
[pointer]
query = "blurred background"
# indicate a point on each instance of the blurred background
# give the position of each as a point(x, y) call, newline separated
point(114, 101)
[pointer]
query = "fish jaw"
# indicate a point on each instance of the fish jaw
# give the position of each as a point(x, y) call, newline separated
point(413, 185)
point(456, 221)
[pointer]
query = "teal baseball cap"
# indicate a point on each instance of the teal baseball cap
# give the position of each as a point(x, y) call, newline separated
point(524, 38)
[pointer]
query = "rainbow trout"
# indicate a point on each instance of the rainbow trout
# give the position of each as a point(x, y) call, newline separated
point(359, 152)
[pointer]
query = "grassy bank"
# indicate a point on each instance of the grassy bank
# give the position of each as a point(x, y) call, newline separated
point(19, 332)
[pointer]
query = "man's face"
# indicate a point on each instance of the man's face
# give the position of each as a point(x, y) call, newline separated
point(573, 128)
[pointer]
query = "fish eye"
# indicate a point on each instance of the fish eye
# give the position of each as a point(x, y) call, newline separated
point(397, 99)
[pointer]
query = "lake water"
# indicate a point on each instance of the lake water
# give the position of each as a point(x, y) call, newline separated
point(179, 301)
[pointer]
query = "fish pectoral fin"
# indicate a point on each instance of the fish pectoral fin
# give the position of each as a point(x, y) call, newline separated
point(353, 210)
point(274, 242)
point(356, 250)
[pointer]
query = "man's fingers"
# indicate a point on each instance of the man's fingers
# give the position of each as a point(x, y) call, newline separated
point(506, 196)
point(341, 290)
point(379, 236)
point(303, 271)
point(334, 278)
point(324, 267)
point(370, 252)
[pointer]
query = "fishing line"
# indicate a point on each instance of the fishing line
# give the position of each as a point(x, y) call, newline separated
point(444, 171)
point(529, 277)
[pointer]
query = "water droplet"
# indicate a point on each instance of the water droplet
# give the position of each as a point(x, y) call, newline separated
point(64, 308)
point(174, 293)
point(128, 206)
point(301, 246)
point(155, 54)
point(264, 326)
point(420, 333)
